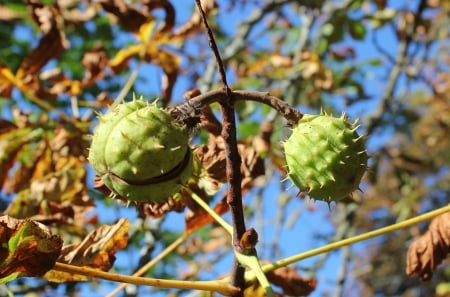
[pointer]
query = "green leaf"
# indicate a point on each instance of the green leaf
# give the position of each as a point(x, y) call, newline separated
point(357, 30)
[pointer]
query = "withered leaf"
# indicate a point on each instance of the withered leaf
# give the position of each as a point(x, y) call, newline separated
point(27, 248)
point(96, 250)
point(169, 10)
point(290, 281)
point(52, 44)
point(261, 142)
point(430, 249)
point(197, 217)
point(130, 18)
point(48, 173)
point(212, 158)
point(160, 209)
point(94, 62)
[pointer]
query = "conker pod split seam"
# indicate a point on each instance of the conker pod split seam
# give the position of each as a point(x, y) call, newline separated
point(140, 152)
point(325, 156)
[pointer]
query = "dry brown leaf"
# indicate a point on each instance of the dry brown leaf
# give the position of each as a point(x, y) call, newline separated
point(57, 171)
point(96, 251)
point(170, 63)
point(98, 247)
point(159, 209)
point(94, 62)
point(430, 249)
point(169, 10)
point(127, 16)
point(212, 159)
point(290, 281)
point(198, 218)
point(52, 44)
point(76, 15)
point(252, 166)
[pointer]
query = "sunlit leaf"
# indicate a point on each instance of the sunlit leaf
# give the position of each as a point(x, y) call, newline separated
point(145, 31)
point(96, 250)
point(28, 248)
point(120, 60)
point(6, 81)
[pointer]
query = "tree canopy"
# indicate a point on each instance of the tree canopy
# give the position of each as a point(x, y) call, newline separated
point(237, 76)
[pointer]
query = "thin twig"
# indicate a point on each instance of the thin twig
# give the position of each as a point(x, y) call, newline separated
point(154, 261)
point(210, 211)
point(239, 41)
point(213, 46)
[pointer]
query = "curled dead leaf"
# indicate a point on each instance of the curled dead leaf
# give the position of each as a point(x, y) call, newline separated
point(160, 209)
point(96, 250)
point(130, 18)
point(291, 282)
point(94, 62)
point(430, 249)
point(52, 44)
point(213, 161)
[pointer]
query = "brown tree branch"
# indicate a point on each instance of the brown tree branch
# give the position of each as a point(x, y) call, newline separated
point(291, 114)
point(226, 98)
point(232, 157)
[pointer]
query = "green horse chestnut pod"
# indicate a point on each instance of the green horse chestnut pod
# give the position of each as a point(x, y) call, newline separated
point(325, 156)
point(140, 152)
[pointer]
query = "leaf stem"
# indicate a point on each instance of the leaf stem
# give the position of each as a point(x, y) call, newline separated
point(151, 263)
point(250, 277)
point(210, 211)
point(251, 261)
point(219, 286)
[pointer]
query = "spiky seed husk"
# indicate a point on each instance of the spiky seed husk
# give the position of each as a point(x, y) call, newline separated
point(325, 156)
point(140, 152)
